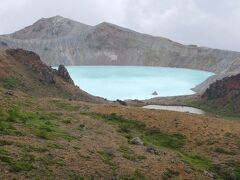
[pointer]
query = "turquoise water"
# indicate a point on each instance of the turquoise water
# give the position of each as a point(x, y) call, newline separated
point(136, 82)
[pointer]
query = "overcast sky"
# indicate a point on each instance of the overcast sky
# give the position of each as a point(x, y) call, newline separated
point(212, 23)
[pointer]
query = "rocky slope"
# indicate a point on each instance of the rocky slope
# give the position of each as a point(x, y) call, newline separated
point(22, 70)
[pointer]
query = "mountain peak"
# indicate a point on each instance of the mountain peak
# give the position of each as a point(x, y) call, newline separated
point(52, 19)
point(50, 28)
point(106, 25)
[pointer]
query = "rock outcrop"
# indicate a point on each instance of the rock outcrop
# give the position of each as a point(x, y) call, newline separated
point(63, 41)
point(223, 96)
point(62, 71)
point(227, 89)
point(48, 77)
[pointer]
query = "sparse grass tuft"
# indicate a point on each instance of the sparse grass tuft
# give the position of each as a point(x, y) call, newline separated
point(197, 162)
point(224, 151)
point(130, 155)
point(30, 148)
point(66, 121)
point(10, 83)
point(228, 170)
point(22, 164)
point(228, 110)
point(170, 174)
point(137, 175)
point(56, 146)
point(66, 106)
point(107, 158)
point(5, 142)
point(75, 176)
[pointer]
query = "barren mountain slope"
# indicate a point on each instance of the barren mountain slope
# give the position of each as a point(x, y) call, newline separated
point(62, 41)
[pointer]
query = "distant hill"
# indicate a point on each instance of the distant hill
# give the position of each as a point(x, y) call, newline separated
point(60, 40)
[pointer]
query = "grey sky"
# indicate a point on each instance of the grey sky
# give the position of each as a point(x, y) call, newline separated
point(212, 23)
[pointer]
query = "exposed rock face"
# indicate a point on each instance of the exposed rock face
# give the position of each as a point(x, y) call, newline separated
point(225, 90)
point(48, 77)
point(62, 71)
point(62, 41)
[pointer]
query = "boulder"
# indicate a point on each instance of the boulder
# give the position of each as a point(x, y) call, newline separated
point(10, 93)
point(153, 150)
point(155, 93)
point(136, 141)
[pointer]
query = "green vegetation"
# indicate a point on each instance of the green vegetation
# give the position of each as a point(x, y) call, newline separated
point(62, 105)
point(199, 142)
point(224, 151)
point(229, 110)
point(55, 146)
point(29, 148)
point(229, 170)
point(150, 136)
point(137, 175)
point(37, 123)
point(170, 174)
point(66, 121)
point(197, 162)
point(75, 176)
point(5, 142)
point(130, 155)
point(22, 164)
point(107, 158)
point(10, 83)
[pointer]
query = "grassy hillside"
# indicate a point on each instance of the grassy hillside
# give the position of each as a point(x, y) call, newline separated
point(56, 138)
point(56, 131)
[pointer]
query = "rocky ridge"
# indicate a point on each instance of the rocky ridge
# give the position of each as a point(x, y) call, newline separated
point(60, 40)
